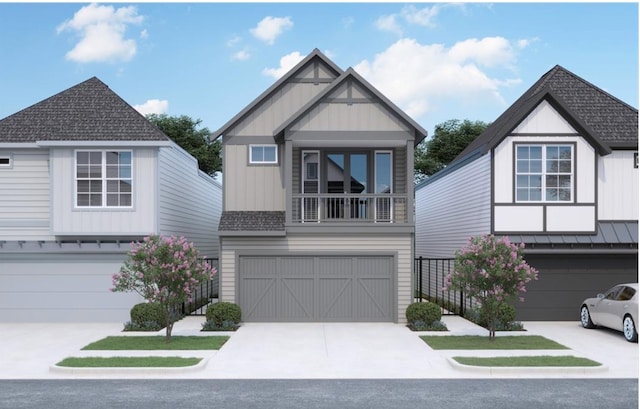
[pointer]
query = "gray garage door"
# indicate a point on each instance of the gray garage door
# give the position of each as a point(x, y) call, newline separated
point(315, 289)
point(62, 288)
point(566, 280)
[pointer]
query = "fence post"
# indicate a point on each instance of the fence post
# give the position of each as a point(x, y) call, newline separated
point(420, 278)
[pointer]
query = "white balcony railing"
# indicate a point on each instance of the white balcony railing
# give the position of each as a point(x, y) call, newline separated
point(335, 208)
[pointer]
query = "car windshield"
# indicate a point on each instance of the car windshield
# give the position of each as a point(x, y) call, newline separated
point(612, 293)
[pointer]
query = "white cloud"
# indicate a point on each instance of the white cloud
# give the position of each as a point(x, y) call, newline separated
point(101, 30)
point(286, 63)
point(424, 17)
point(241, 55)
point(234, 40)
point(153, 106)
point(389, 23)
point(144, 34)
point(418, 77)
point(270, 28)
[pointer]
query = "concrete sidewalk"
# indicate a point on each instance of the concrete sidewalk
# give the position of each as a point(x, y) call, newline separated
point(310, 351)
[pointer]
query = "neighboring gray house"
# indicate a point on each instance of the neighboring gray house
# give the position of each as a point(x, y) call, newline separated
point(82, 174)
point(317, 223)
point(558, 170)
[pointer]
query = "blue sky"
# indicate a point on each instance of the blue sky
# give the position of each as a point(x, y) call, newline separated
point(437, 61)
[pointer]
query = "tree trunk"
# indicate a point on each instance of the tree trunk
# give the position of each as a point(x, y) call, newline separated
point(169, 329)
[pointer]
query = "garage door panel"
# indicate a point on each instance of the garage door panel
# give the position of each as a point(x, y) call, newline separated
point(335, 298)
point(566, 280)
point(259, 298)
point(296, 298)
point(316, 288)
point(371, 302)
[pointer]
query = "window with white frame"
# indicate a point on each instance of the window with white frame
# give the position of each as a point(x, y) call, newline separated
point(104, 179)
point(263, 154)
point(544, 173)
point(5, 161)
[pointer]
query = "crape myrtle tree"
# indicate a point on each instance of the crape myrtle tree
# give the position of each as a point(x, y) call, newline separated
point(163, 270)
point(492, 271)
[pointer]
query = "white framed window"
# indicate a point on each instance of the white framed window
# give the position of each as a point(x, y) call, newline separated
point(263, 154)
point(544, 173)
point(6, 160)
point(104, 179)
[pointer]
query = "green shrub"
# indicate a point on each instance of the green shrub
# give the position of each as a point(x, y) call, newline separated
point(144, 313)
point(225, 326)
point(426, 312)
point(505, 318)
point(224, 311)
point(422, 326)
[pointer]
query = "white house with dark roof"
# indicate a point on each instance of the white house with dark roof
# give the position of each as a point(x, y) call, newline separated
point(317, 222)
point(558, 171)
point(82, 174)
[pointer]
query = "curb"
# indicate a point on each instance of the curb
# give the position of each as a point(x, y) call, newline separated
point(522, 370)
point(129, 370)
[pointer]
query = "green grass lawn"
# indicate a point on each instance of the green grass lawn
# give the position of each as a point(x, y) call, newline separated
point(527, 361)
point(483, 342)
point(129, 362)
point(157, 342)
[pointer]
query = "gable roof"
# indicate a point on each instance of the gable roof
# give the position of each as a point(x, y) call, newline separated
point(350, 74)
point(603, 119)
point(89, 111)
point(315, 54)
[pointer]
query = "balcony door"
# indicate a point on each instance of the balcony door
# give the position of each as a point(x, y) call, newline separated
point(347, 177)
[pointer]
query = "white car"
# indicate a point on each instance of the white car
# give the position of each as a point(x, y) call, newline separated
point(616, 309)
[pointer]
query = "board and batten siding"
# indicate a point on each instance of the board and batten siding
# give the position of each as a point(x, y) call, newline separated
point(25, 195)
point(189, 201)
point(617, 186)
point(327, 245)
point(451, 209)
point(72, 221)
point(251, 187)
point(270, 114)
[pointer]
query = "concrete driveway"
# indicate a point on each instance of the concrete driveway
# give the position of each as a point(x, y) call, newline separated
point(310, 351)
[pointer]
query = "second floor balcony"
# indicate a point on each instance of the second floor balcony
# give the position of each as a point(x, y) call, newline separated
point(352, 208)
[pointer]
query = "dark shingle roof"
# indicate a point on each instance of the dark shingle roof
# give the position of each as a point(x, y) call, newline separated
point(89, 111)
point(605, 120)
point(236, 221)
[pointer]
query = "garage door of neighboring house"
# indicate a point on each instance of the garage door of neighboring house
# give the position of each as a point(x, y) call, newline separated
point(566, 280)
point(316, 288)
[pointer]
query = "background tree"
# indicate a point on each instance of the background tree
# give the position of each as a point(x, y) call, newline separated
point(163, 270)
point(184, 131)
point(449, 139)
point(493, 272)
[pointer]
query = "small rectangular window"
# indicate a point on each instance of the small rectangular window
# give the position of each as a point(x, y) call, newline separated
point(104, 179)
point(5, 161)
point(263, 154)
point(544, 173)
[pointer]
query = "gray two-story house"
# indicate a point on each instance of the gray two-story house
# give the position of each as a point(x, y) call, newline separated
point(82, 175)
point(317, 221)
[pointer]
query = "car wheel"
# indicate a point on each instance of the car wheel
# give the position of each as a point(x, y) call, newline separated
point(629, 329)
point(585, 318)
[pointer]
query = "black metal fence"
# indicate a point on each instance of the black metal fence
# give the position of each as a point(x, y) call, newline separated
point(430, 275)
point(204, 294)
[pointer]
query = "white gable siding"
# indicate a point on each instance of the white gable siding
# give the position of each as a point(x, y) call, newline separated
point(453, 208)
point(617, 186)
point(189, 201)
point(68, 220)
point(251, 187)
point(24, 196)
point(544, 119)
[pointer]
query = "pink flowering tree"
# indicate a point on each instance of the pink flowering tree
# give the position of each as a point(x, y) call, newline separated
point(164, 270)
point(492, 271)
